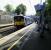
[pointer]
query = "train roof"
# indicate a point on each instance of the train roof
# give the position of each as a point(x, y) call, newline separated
point(31, 16)
point(19, 15)
point(26, 17)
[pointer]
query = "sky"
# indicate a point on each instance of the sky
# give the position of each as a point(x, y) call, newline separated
point(29, 4)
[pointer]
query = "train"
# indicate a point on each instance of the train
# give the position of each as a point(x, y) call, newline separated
point(28, 20)
point(21, 21)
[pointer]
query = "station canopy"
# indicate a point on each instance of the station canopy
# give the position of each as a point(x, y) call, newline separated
point(39, 7)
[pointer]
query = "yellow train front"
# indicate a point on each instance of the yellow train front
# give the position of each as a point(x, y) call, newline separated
point(19, 21)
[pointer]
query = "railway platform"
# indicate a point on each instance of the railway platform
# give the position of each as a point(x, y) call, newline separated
point(6, 25)
point(35, 42)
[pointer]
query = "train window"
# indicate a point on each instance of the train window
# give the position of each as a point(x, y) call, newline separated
point(18, 18)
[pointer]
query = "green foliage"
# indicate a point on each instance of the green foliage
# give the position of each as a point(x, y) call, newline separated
point(8, 8)
point(20, 9)
point(49, 3)
point(49, 7)
point(37, 13)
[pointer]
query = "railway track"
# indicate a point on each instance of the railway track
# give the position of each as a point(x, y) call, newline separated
point(16, 38)
point(18, 43)
point(7, 30)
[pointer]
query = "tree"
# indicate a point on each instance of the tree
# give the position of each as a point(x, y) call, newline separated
point(8, 8)
point(20, 9)
point(49, 7)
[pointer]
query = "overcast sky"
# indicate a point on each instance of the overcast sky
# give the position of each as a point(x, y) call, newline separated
point(29, 4)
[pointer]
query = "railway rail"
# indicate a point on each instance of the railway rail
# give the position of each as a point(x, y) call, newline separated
point(7, 30)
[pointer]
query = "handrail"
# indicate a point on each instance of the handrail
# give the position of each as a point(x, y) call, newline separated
point(5, 39)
